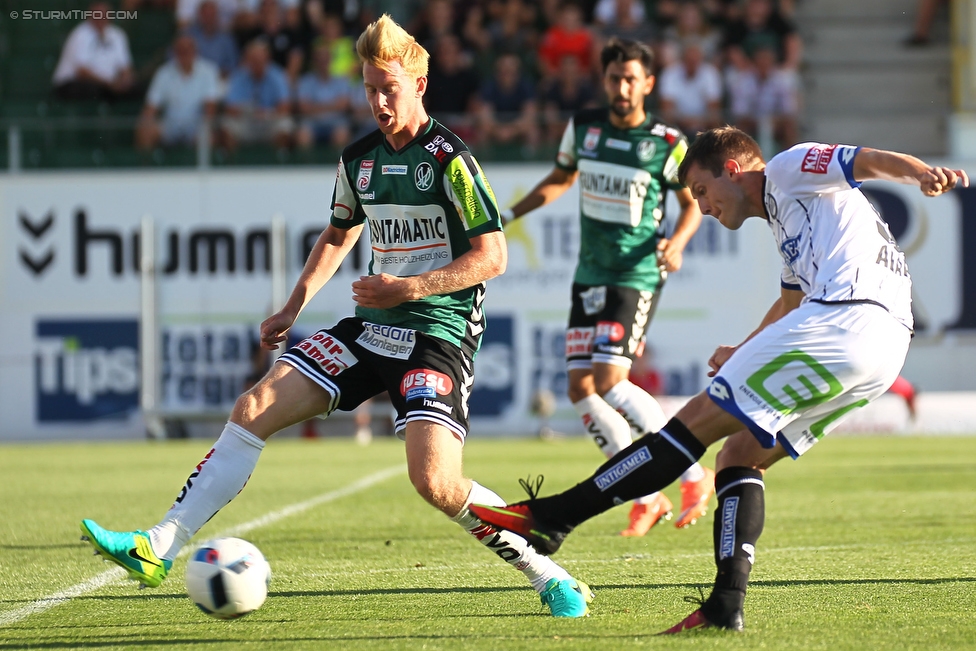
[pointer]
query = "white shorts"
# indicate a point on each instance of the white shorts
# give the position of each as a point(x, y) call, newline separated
point(796, 380)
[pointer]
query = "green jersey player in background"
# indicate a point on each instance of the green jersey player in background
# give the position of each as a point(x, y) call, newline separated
point(625, 160)
point(436, 238)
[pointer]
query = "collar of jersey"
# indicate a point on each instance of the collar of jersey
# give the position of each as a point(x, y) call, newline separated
point(648, 119)
point(423, 132)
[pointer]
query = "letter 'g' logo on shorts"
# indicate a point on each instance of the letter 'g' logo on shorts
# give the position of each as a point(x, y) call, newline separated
point(425, 383)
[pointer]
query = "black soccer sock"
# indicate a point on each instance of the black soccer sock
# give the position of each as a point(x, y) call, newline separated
point(648, 465)
point(738, 525)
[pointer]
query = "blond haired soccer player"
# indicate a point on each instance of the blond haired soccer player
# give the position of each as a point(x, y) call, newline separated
point(436, 239)
point(835, 340)
point(626, 160)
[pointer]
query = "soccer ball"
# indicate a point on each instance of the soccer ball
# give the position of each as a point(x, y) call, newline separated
point(228, 578)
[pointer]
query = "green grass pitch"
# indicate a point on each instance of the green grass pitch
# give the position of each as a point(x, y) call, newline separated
point(870, 543)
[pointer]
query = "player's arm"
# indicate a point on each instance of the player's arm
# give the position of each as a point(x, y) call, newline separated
point(789, 299)
point(553, 186)
point(328, 253)
point(548, 190)
point(933, 180)
point(671, 250)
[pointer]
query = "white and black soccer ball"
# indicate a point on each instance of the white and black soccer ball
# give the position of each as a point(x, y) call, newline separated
point(228, 578)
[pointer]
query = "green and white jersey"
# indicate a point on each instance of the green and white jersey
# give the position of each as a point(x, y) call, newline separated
point(421, 204)
point(623, 177)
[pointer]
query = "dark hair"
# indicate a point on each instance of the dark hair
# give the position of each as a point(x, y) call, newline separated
point(712, 148)
point(623, 50)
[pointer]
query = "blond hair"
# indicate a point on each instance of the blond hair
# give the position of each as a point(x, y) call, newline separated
point(384, 42)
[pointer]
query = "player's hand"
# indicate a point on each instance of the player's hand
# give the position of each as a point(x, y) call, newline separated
point(719, 357)
point(937, 180)
point(669, 255)
point(383, 291)
point(274, 329)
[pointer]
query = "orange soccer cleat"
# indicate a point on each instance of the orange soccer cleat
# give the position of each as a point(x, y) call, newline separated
point(645, 516)
point(694, 499)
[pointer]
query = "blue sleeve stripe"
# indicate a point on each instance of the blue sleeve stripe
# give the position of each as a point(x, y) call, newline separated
point(787, 446)
point(847, 164)
point(786, 285)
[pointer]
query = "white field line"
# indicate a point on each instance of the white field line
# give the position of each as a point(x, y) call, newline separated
point(117, 573)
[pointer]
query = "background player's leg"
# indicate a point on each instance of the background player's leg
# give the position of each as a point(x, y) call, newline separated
point(282, 398)
point(434, 464)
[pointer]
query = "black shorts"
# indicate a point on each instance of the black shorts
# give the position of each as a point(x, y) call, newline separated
point(608, 324)
point(427, 378)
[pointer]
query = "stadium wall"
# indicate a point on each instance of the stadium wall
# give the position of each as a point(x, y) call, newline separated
point(69, 295)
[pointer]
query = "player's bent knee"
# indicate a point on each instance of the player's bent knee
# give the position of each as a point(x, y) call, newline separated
point(440, 491)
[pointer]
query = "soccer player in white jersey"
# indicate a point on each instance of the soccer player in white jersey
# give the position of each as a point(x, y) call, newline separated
point(835, 340)
point(417, 327)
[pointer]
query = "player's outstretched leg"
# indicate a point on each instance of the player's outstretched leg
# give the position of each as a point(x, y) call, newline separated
point(649, 464)
point(216, 480)
point(738, 525)
point(560, 592)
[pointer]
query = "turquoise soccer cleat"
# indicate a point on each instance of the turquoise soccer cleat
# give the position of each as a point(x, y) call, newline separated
point(130, 550)
point(567, 598)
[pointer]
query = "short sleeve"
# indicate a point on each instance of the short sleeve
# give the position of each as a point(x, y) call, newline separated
point(237, 92)
point(157, 89)
point(346, 211)
point(467, 187)
point(814, 168)
point(566, 156)
point(787, 280)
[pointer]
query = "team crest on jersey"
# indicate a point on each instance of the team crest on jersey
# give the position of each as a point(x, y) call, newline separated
point(646, 149)
point(771, 206)
point(592, 138)
point(424, 176)
point(365, 172)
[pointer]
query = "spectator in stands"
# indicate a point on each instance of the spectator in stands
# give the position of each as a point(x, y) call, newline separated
point(508, 30)
point(284, 42)
point(452, 87)
point(568, 93)
point(764, 94)
point(95, 61)
point(762, 26)
point(924, 17)
point(212, 42)
point(625, 19)
point(691, 23)
point(436, 20)
point(508, 110)
point(568, 37)
point(324, 103)
point(401, 11)
point(342, 48)
point(182, 95)
point(691, 91)
point(257, 106)
point(188, 11)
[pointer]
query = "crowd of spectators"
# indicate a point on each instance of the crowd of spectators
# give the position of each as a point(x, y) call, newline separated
point(285, 72)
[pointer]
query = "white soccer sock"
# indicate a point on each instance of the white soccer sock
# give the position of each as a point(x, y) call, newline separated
point(211, 486)
point(638, 407)
point(510, 547)
point(640, 411)
point(608, 428)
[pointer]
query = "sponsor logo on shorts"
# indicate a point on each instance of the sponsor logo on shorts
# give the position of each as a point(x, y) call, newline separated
point(388, 341)
point(400, 170)
point(622, 468)
point(365, 172)
point(594, 299)
point(579, 341)
point(817, 159)
point(328, 353)
point(794, 381)
point(438, 405)
point(718, 389)
point(425, 383)
point(730, 507)
point(607, 331)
